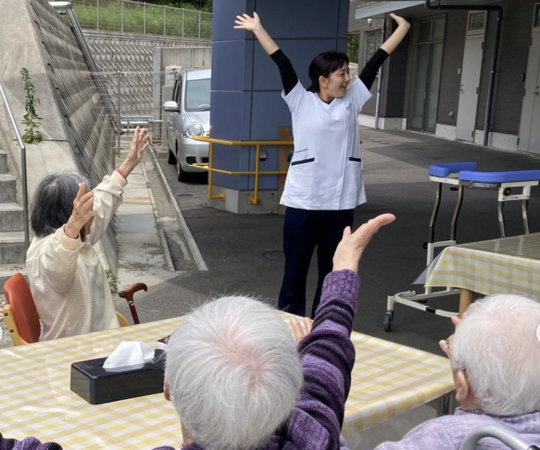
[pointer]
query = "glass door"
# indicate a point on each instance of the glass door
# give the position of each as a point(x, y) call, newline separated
point(426, 74)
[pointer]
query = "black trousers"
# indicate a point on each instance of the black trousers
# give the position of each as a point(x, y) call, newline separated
point(303, 230)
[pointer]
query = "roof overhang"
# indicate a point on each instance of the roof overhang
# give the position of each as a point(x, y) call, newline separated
point(381, 8)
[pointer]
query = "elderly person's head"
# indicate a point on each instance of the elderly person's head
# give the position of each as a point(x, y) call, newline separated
point(234, 373)
point(496, 356)
point(53, 202)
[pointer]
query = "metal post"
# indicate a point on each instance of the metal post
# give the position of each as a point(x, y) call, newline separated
point(379, 82)
point(182, 22)
point(210, 163)
point(144, 18)
point(164, 21)
point(199, 24)
point(255, 199)
point(97, 15)
point(118, 109)
point(493, 72)
point(122, 14)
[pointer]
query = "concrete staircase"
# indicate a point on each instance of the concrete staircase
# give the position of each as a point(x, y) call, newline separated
point(12, 249)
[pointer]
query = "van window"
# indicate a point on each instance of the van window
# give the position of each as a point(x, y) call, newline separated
point(198, 95)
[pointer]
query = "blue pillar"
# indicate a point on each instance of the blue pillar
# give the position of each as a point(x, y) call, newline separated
point(246, 86)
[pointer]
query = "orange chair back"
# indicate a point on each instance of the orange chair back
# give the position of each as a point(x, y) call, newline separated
point(23, 309)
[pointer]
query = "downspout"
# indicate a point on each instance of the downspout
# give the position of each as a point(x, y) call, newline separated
point(491, 87)
point(379, 82)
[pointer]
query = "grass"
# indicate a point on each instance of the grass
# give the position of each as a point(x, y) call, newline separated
point(110, 18)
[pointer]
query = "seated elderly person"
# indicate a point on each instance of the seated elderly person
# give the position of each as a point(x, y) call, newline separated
point(68, 282)
point(238, 380)
point(495, 359)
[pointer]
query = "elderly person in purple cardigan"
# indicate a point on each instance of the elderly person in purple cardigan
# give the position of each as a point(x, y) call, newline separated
point(495, 359)
point(238, 380)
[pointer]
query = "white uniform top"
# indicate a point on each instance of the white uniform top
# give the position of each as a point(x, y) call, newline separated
point(326, 168)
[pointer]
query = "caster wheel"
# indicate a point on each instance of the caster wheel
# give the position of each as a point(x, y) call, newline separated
point(388, 318)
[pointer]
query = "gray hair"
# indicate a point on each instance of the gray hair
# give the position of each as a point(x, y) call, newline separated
point(53, 202)
point(234, 373)
point(497, 346)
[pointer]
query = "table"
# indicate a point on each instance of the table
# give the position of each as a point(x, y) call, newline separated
point(388, 379)
point(498, 266)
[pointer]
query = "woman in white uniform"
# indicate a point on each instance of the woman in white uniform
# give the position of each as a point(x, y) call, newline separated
point(324, 183)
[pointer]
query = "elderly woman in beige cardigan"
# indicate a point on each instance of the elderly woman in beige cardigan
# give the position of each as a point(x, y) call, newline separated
point(67, 280)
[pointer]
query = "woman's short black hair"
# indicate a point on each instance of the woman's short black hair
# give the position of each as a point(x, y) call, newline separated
point(53, 202)
point(323, 65)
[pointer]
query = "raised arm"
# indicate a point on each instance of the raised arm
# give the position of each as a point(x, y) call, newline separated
point(108, 193)
point(289, 79)
point(397, 36)
point(369, 72)
point(94, 210)
point(327, 351)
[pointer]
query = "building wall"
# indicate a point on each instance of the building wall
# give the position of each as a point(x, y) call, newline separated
point(511, 67)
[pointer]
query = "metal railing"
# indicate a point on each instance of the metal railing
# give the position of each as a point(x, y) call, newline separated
point(257, 172)
point(23, 164)
point(137, 17)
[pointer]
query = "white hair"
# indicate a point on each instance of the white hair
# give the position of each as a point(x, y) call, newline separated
point(497, 346)
point(234, 373)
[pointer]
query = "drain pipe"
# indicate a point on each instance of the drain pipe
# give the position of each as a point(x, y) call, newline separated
point(491, 87)
point(379, 81)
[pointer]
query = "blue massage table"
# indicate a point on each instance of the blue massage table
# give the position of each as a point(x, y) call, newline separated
point(513, 185)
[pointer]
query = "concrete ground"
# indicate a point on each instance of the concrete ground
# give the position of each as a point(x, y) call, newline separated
point(235, 247)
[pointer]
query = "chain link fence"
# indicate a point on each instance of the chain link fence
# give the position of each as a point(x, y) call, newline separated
point(141, 18)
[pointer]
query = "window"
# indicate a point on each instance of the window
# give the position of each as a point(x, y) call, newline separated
point(352, 47)
point(373, 42)
point(431, 30)
point(477, 21)
point(198, 95)
point(537, 16)
point(424, 31)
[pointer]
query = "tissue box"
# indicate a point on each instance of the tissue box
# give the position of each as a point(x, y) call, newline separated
point(97, 385)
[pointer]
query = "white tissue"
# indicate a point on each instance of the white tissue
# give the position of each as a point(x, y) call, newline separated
point(131, 353)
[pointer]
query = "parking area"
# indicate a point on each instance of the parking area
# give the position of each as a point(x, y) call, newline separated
point(243, 251)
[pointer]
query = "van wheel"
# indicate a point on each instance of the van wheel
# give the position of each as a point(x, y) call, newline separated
point(171, 159)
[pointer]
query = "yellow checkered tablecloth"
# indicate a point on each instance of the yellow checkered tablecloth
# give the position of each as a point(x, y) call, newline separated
point(498, 266)
point(35, 398)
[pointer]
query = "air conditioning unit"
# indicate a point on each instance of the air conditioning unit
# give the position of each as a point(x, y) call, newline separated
point(170, 74)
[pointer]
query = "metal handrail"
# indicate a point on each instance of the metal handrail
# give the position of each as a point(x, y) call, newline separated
point(210, 165)
point(23, 164)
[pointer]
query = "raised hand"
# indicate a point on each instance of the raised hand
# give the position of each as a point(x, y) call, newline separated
point(82, 212)
point(400, 20)
point(299, 331)
point(245, 22)
point(139, 144)
point(350, 249)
